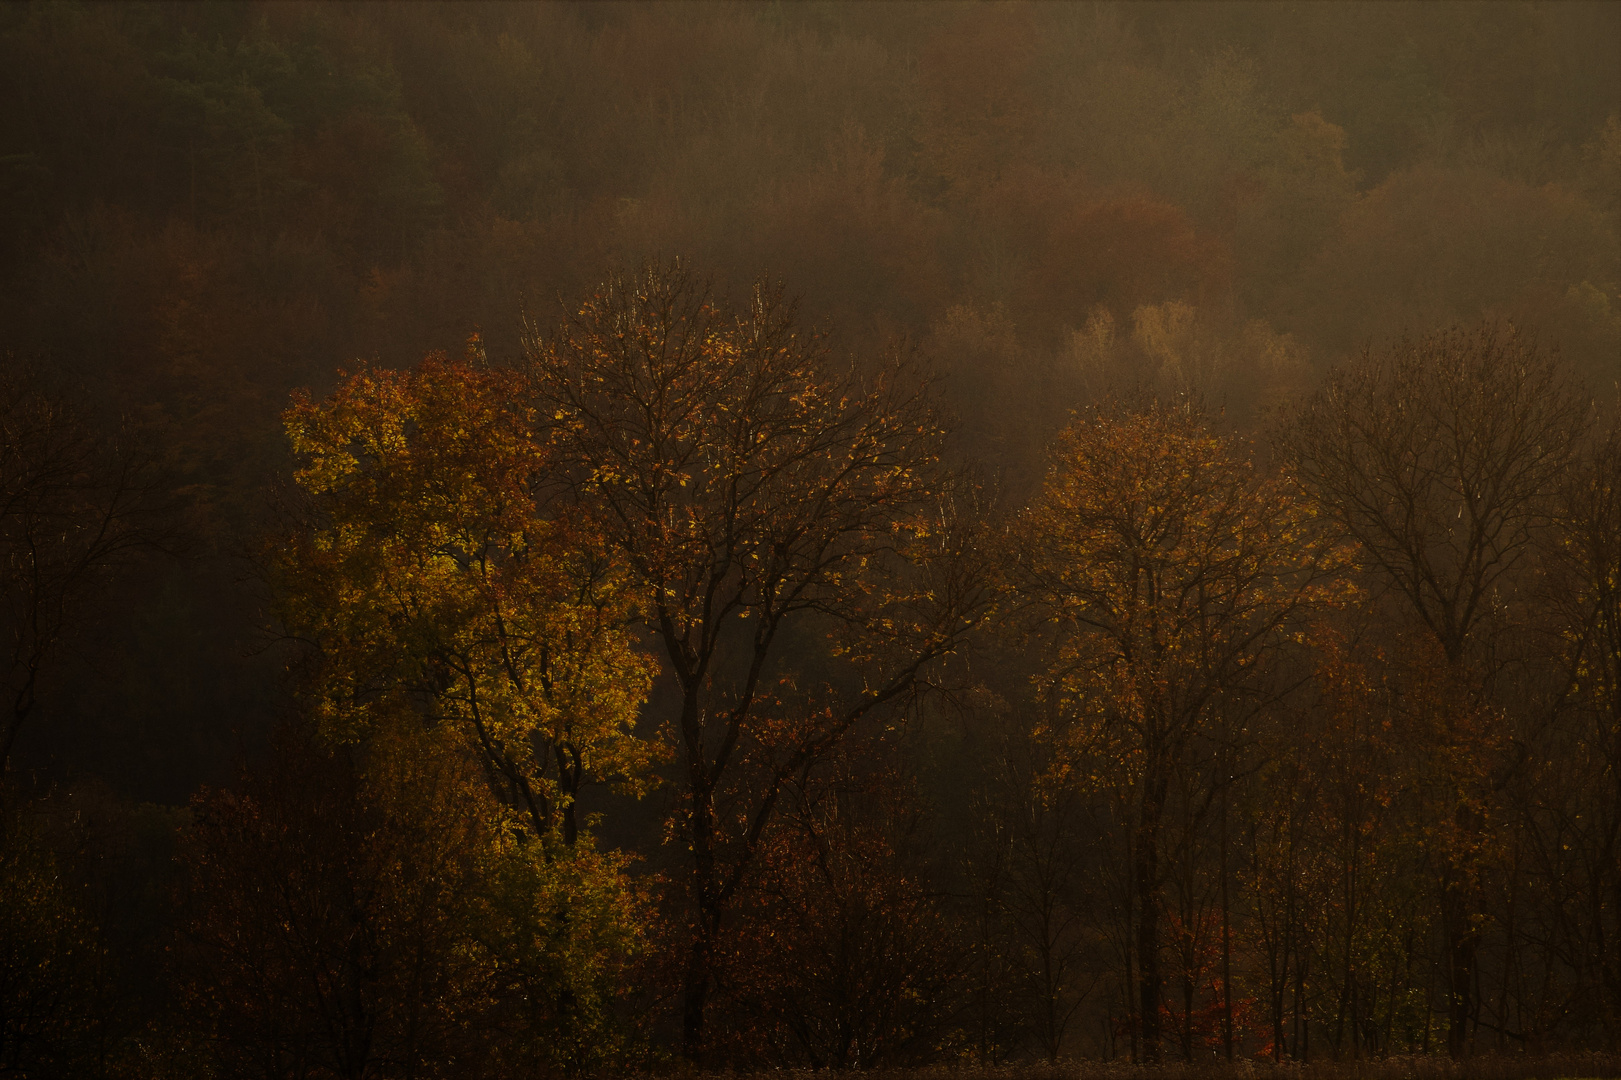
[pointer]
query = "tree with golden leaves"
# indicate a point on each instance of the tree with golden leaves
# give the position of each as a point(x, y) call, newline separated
point(1171, 571)
point(430, 577)
point(760, 493)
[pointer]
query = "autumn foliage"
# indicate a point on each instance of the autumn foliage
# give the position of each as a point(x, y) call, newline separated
point(585, 540)
point(432, 578)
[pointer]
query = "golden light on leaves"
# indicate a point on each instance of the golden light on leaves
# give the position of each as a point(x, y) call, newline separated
point(435, 580)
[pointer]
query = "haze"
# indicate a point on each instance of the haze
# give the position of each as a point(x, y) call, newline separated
point(1305, 284)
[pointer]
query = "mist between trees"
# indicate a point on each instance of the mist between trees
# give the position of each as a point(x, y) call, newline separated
point(566, 539)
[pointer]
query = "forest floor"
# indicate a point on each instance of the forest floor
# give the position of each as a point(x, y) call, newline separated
point(1492, 1067)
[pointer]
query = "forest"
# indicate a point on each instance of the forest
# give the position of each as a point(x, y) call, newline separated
point(551, 539)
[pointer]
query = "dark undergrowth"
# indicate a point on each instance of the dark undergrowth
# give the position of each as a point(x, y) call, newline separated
point(1494, 1067)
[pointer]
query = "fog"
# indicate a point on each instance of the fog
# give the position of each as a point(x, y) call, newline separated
point(1055, 211)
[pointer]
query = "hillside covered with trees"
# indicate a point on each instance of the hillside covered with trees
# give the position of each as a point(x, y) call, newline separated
point(571, 539)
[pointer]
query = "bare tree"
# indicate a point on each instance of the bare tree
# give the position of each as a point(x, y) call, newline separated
point(1592, 514)
point(1045, 880)
point(1440, 457)
point(1570, 792)
point(75, 503)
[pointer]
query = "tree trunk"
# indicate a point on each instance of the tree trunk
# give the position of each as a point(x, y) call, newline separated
point(1463, 939)
point(694, 996)
point(1226, 936)
point(1463, 943)
point(1150, 978)
point(701, 833)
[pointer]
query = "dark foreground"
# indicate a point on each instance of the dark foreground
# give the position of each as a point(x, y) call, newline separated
point(1497, 1067)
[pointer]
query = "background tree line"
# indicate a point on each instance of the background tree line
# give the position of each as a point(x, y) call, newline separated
point(1133, 661)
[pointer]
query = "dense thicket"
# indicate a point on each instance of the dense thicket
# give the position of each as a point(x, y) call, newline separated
point(1154, 595)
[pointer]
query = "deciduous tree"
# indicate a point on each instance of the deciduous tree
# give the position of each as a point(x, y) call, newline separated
point(428, 573)
point(332, 910)
point(1440, 457)
point(1170, 568)
point(75, 503)
point(756, 489)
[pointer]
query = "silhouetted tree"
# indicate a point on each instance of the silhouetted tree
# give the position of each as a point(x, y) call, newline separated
point(333, 906)
point(1440, 457)
point(753, 486)
point(74, 505)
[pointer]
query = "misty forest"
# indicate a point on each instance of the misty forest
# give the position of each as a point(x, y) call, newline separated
point(969, 539)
